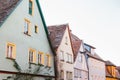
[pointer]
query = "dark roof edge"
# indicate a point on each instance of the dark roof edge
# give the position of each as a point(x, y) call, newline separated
point(11, 12)
point(70, 39)
point(44, 23)
point(45, 27)
point(95, 57)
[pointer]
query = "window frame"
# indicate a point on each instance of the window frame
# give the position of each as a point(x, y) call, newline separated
point(48, 60)
point(62, 55)
point(31, 8)
point(33, 55)
point(42, 58)
point(36, 29)
point(13, 53)
point(27, 28)
point(61, 75)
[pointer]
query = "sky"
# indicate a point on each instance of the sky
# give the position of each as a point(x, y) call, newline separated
point(96, 22)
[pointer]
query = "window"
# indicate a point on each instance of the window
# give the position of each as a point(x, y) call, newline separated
point(32, 56)
point(36, 29)
point(27, 27)
point(69, 58)
point(11, 50)
point(62, 55)
point(77, 73)
point(68, 75)
point(62, 75)
point(40, 58)
point(66, 40)
point(48, 60)
point(80, 58)
point(30, 7)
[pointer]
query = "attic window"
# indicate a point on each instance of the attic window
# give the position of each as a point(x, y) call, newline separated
point(36, 29)
point(30, 7)
point(66, 40)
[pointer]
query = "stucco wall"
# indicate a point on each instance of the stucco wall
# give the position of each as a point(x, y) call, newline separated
point(96, 69)
point(66, 49)
point(12, 31)
point(81, 65)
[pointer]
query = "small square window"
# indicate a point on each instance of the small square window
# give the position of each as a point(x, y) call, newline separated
point(36, 29)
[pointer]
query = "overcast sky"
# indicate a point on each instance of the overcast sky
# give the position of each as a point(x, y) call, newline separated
point(97, 22)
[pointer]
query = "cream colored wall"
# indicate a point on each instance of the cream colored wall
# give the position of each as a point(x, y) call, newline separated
point(66, 49)
point(96, 69)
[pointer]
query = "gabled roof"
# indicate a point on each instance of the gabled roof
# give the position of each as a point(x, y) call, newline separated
point(76, 43)
point(95, 56)
point(56, 33)
point(89, 45)
point(6, 7)
point(109, 63)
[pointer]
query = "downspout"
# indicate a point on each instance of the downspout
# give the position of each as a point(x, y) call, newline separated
point(86, 57)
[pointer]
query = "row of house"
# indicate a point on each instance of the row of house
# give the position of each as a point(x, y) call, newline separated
point(77, 60)
point(30, 50)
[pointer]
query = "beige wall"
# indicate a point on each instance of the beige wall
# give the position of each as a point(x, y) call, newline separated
point(96, 69)
point(66, 49)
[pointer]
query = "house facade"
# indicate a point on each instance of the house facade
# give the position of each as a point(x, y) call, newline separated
point(25, 52)
point(112, 73)
point(96, 65)
point(61, 41)
point(80, 62)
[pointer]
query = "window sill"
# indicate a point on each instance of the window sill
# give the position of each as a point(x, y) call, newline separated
point(27, 34)
point(10, 58)
point(48, 66)
point(69, 62)
point(40, 64)
point(62, 60)
point(32, 63)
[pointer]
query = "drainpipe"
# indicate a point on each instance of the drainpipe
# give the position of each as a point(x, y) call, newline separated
point(86, 57)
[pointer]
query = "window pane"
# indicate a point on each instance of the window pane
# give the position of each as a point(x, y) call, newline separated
point(40, 58)
point(26, 25)
point(31, 56)
point(30, 7)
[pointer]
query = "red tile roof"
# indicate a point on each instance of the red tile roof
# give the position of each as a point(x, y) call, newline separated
point(6, 7)
point(56, 33)
point(76, 42)
point(109, 63)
